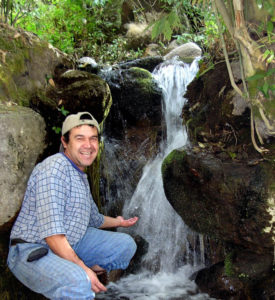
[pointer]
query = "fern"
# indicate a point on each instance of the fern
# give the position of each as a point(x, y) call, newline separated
point(165, 26)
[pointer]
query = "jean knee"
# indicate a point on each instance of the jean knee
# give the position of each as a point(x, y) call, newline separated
point(130, 245)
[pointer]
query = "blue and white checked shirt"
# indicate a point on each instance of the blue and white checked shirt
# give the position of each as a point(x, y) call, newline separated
point(57, 201)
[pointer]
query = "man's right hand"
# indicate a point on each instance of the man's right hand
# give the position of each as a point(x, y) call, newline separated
point(97, 286)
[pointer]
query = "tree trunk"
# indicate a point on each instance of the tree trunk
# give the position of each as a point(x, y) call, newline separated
point(251, 63)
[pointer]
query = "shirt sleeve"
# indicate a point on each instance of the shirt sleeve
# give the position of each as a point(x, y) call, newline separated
point(50, 199)
point(96, 219)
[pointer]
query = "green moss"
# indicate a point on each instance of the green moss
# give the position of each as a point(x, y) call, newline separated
point(143, 77)
point(269, 106)
point(140, 72)
point(228, 265)
point(12, 66)
point(172, 157)
point(18, 48)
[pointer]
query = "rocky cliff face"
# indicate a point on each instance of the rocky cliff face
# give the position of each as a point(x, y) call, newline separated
point(224, 189)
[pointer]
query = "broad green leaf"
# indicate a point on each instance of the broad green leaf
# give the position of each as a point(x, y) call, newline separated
point(265, 88)
point(270, 72)
point(270, 58)
point(258, 75)
point(270, 27)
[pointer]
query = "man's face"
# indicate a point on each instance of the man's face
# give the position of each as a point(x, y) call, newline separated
point(83, 145)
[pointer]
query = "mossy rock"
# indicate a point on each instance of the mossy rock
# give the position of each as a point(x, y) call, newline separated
point(25, 64)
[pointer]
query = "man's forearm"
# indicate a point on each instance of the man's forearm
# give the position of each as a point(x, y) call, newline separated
point(110, 222)
point(61, 247)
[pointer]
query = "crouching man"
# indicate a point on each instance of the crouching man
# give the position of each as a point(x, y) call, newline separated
point(57, 245)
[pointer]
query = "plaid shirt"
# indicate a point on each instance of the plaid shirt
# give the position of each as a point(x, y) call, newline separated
point(57, 201)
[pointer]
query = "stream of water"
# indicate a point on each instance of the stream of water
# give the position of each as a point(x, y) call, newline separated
point(174, 251)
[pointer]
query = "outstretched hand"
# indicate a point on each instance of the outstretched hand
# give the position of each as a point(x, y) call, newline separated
point(127, 223)
point(97, 286)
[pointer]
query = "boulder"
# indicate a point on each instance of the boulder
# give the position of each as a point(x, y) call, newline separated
point(26, 64)
point(88, 64)
point(136, 102)
point(22, 134)
point(148, 63)
point(186, 52)
point(226, 200)
point(238, 278)
point(138, 35)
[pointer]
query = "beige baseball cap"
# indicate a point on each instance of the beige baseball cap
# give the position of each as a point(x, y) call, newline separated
point(81, 118)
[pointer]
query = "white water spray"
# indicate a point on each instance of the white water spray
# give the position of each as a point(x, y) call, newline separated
point(159, 224)
point(167, 264)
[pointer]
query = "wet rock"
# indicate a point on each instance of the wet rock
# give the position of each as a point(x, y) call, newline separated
point(147, 63)
point(142, 249)
point(88, 64)
point(213, 281)
point(225, 200)
point(82, 90)
point(243, 276)
point(136, 110)
point(22, 134)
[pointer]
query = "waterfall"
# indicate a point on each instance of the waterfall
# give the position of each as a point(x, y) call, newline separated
point(170, 259)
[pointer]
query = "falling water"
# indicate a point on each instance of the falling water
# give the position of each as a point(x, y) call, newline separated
point(169, 262)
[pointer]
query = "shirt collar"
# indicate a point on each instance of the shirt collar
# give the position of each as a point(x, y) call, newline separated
point(73, 164)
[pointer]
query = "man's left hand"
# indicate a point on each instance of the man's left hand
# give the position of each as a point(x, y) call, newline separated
point(127, 223)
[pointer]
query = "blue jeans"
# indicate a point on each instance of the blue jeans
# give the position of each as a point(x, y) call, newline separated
point(57, 278)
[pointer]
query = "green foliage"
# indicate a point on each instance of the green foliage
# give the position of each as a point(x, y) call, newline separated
point(267, 5)
point(166, 25)
point(228, 265)
point(61, 23)
point(232, 155)
point(64, 112)
point(113, 52)
point(81, 27)
point(243, 276)
point(186, 23)
point(13, 10)
point(264, 81)
point(190, 37)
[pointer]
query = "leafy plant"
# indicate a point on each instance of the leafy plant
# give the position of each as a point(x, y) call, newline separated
point(64, 112)
point(165, 26)
point(228, 265)
point(243, 276)
point(264, 85)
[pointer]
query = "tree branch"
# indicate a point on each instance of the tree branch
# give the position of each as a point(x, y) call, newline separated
point(232, 81)
point(222, 9)
point(253, 135)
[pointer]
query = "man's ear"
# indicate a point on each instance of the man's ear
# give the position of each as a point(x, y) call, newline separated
point(64, 144)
